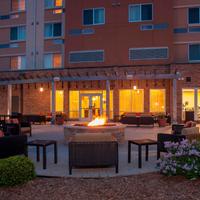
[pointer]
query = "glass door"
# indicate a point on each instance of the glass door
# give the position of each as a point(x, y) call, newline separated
point(90, 106)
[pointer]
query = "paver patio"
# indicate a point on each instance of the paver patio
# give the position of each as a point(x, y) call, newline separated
point(61, 169)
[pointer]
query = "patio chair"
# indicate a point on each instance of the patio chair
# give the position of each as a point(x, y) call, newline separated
point(89, 150)
point(146, 120)
point(13, 145)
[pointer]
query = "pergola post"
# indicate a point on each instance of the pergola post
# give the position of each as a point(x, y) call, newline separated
point(196, 104)
point(53, 102)
point(108, 100)
point(174, 100)
point(9, 101)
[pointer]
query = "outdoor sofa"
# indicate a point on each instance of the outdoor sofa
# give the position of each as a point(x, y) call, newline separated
point(13, 145)
point(93, 150)
point(132, 119)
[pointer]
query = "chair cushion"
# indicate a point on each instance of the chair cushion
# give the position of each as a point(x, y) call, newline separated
point(93, 137)
point(25, 129)
point(1, 134)
point(190, 131)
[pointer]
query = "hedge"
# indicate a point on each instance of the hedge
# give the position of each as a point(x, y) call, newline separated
point(16, 170)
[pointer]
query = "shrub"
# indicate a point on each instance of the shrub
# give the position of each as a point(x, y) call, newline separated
point(16, 170)
point(181, 159)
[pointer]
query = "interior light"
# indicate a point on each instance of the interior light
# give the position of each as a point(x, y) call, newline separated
point(135, 87)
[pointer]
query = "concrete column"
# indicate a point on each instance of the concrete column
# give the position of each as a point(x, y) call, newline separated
point(21, 98)
point(108, 100)
point(174, 100)
point(53, 102)
point(196, 104)
point(116, 101)
point(9, 101)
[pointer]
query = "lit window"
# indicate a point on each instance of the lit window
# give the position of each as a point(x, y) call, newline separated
point(194, 52)
point(157, 100)
point(52, 61)
point(131, 101)
point(59, 101)
point(140, 12)
point(18, 33)
point(18, 5)
point(95, 16)
point(194, 15)
point(53, 3)
point(18, 62)
point(53, 30)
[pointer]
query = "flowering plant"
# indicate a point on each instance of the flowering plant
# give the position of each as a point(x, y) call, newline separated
point(181, 159)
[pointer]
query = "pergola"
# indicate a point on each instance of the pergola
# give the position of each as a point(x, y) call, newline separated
point(9, 78)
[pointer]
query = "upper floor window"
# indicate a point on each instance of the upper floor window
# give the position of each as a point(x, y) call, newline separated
point(18, 62)
point(53, 30)
point(94, 16)
point(18, 33)
point(52, 60)
point(18, 5)
point(194, 16)
point(53, 3)
point(194, 52)
point(140, 12)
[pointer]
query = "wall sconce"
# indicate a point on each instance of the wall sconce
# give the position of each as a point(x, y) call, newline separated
point(41, 89)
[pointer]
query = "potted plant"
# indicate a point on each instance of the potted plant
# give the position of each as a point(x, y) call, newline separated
point(162, 121)
point(60, 119)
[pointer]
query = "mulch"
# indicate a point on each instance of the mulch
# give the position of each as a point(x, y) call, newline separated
point(152, 186)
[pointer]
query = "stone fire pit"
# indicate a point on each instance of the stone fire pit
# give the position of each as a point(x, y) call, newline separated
point(115, 129)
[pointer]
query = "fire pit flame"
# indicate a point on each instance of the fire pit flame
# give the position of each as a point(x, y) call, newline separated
point(97, 122)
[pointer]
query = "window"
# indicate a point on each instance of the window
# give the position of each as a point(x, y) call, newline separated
point(94, 16)
point(52, 61)
point(86, 56)
point(140, 12)
point(18, 62)
point(18, 33)
point(157, 100)
point(194, 52)
point(59, 101)
point(53, 3)
point(53, 30)
point(194, 16)
point(18, 5)
point(134, 101)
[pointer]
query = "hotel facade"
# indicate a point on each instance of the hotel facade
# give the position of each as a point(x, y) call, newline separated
point(93, 58)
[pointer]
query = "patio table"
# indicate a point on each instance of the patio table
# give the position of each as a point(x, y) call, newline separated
point(44, 144)
point(140, 143)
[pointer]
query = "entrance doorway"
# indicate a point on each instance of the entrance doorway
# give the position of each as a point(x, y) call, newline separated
point(90, 106)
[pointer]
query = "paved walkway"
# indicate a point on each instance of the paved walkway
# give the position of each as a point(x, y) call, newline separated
point(61, 168)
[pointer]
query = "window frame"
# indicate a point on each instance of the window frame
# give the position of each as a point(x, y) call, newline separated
point(18, 40)
point(52, 57)
point(18, 66)
point(165, 102)
point(93, 11)
point(192, 61)
point(16, 11)
point(188, 17)
point(140, 4)
point(150, 58)
point(54, 5)
point(86, 51)
point(52, 35)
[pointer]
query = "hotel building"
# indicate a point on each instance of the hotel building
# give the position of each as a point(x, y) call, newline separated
point(92, 58)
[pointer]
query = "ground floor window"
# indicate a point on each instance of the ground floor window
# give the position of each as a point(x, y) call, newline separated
point(131, 101)
point(89, 104)
point(157, 100)
point(59, 101)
